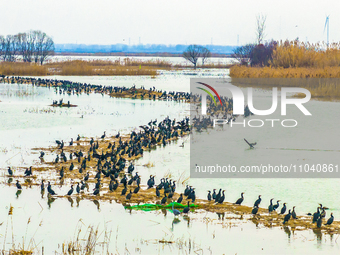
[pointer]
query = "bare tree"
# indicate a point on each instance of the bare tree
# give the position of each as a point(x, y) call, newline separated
point(192, 53)
point(205, 53)
point(44, 47)
point(32, 46)
point(243, 53)
point(8, 48)
point(260, 28)
point(26, 45)
point(2, 47)
point(47, 49)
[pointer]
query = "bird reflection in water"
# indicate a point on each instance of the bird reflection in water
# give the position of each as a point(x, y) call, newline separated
point(10, 180)
point(61, 183)
point(220, 216)
point(187, 218)
point(42, 192)
point(126, 206)
point(50, 200)
point(70, 200)
point(97, 204)
point(288, 232)
point(164, 211)
point(18, 193)
point(175, 221)
point(318, 234)
point(255, 221)
point(78, 200)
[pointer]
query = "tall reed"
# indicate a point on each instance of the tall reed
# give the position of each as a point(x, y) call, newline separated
point(127, 66)
point(298, 54)
point(17, 68)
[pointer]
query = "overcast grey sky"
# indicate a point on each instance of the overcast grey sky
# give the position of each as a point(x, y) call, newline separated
point(170, 22)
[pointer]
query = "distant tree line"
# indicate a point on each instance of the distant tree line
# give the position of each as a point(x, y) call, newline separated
point(33, 46)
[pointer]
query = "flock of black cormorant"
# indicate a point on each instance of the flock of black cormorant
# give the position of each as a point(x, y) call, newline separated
point(112, 163)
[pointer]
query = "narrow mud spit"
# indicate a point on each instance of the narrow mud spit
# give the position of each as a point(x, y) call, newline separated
point(103, 156)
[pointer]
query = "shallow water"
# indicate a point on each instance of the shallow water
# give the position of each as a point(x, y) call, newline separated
point(27, 121)
point(172, 60)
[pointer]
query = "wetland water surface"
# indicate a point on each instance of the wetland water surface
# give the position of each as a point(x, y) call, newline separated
point(27, 121)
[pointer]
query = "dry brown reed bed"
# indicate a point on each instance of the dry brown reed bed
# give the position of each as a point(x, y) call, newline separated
point(290, 54)
point(320, 87)
point(280, 72)
point(127, 66)
point(16, 68)
point(300, 60)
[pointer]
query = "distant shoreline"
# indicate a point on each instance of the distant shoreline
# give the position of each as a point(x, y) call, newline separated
point(131, 54)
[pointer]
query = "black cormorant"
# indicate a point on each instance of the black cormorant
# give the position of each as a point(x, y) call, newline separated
point(186, 209)
point(255, 210)
point(258, 201)
point(316, 215)
point(221, 200)
point(69, 193)
point(240, 200)
point(128, 196)
point(270, 207)
point(10, 171)
point(42, 186)
point(180, 199)
point(214, 194)
point(283, 209)
point(287, 217)
point(164, 199)
point(96, 192)
point(209, 195)
point(330, 220)
point(319, 222)
point(87, 176)
point(124, 190)
point(277, 205)
point(18, 185)
point(218, 196)
point(136, 189)
point(294, 213)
